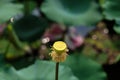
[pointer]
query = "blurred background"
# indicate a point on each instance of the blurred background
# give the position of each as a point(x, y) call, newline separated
point(90, 28)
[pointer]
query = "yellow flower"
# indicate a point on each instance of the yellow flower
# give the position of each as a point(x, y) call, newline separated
point(59, 51)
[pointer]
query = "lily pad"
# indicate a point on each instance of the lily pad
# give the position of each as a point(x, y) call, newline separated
point(6, 1)
point(41, 70)
point(117, 29)
point(111, 9)
point(71, 12)
point(8, 10)
point(30, 28)
point(84, 68)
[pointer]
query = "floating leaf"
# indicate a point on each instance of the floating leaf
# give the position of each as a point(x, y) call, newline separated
point(111, 9)
point(71, 12)
point(30, 28)
point(84, 68)
point(8, 10)
point(6, 1)
point(41, 70)
point(117, 29)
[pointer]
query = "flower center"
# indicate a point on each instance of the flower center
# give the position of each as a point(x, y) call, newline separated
point(59, 46)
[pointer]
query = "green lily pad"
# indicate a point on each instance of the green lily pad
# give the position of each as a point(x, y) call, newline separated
point(71, 12)
point(111, 9)
point(117, 29)
point(41, 70)
point(30, 28)
point(8, 10)
point(84, 68)
point(6, 1)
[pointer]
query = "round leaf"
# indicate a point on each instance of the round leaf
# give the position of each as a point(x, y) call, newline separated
point(8, 10)
point(30, 28)
point(117, 29)
point(84, 68)
point(71, 12)
point(41, 70)
point(111, 9)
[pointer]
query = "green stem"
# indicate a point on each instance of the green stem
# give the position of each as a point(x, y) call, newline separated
point(57, 71)
point(7, 48)
point(26, 7)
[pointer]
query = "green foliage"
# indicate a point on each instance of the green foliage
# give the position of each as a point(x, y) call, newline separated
point(111, 9)
point(41, 70)
point(84, 68)
point(12, 37)
point(22, 62)
point(100, 46)
point(8, 10)
point(9, 51)
point(32, 5)
point(5, 1)
point(14, 52)
point(3, 45)
point(71, 12)
point(30, 28)
point(117, 29)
